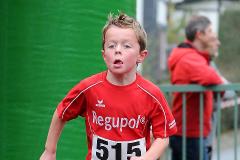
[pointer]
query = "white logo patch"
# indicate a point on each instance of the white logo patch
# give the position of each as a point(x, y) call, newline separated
point(100, 103)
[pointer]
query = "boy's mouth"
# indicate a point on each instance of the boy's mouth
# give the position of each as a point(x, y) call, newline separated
point(118, 61)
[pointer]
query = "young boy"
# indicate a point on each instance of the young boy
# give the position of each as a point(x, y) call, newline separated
point(118, 105)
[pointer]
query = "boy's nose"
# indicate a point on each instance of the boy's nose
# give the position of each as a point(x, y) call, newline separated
point(118, 49)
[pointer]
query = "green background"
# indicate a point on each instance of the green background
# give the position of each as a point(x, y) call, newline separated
point(46, 47)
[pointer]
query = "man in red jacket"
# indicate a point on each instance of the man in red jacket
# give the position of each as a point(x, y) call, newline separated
point(189, 64)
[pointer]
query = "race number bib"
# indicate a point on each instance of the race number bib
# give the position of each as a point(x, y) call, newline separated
point(105, 149)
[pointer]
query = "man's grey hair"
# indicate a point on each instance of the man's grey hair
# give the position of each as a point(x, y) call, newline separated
point(196, 24)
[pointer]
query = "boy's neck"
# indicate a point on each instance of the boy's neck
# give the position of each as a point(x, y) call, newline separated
point(121, 79)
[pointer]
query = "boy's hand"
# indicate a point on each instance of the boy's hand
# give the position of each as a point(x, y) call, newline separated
point(137, 158)
point(48, 155)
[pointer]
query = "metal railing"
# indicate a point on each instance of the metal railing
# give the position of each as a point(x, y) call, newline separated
point(169, 89)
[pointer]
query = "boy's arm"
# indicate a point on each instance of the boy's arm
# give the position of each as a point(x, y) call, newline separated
point(155, 151)
point(52, 138)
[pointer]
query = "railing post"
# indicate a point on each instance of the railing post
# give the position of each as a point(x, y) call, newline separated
point(201, 126)
point(184, 146)
point(235, 126)
point(218, 125)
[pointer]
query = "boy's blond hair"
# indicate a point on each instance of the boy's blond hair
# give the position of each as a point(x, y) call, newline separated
point(124, 21)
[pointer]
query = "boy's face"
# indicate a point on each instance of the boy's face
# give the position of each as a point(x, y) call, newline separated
point(121, 50)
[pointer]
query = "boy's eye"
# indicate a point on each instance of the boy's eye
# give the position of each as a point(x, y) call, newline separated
point(110, 46)
point(126, 46)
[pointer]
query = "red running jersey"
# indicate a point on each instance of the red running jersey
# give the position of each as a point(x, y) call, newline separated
point(118, 118)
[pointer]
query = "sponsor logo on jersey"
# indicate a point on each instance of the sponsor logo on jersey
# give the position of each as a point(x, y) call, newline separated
point(117, 122)
point(100, 103)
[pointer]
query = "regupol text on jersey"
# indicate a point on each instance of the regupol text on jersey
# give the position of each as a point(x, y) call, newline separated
point(117, 122)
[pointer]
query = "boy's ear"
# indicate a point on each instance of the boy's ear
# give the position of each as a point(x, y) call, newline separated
point(103, 53)
point(142, 55)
